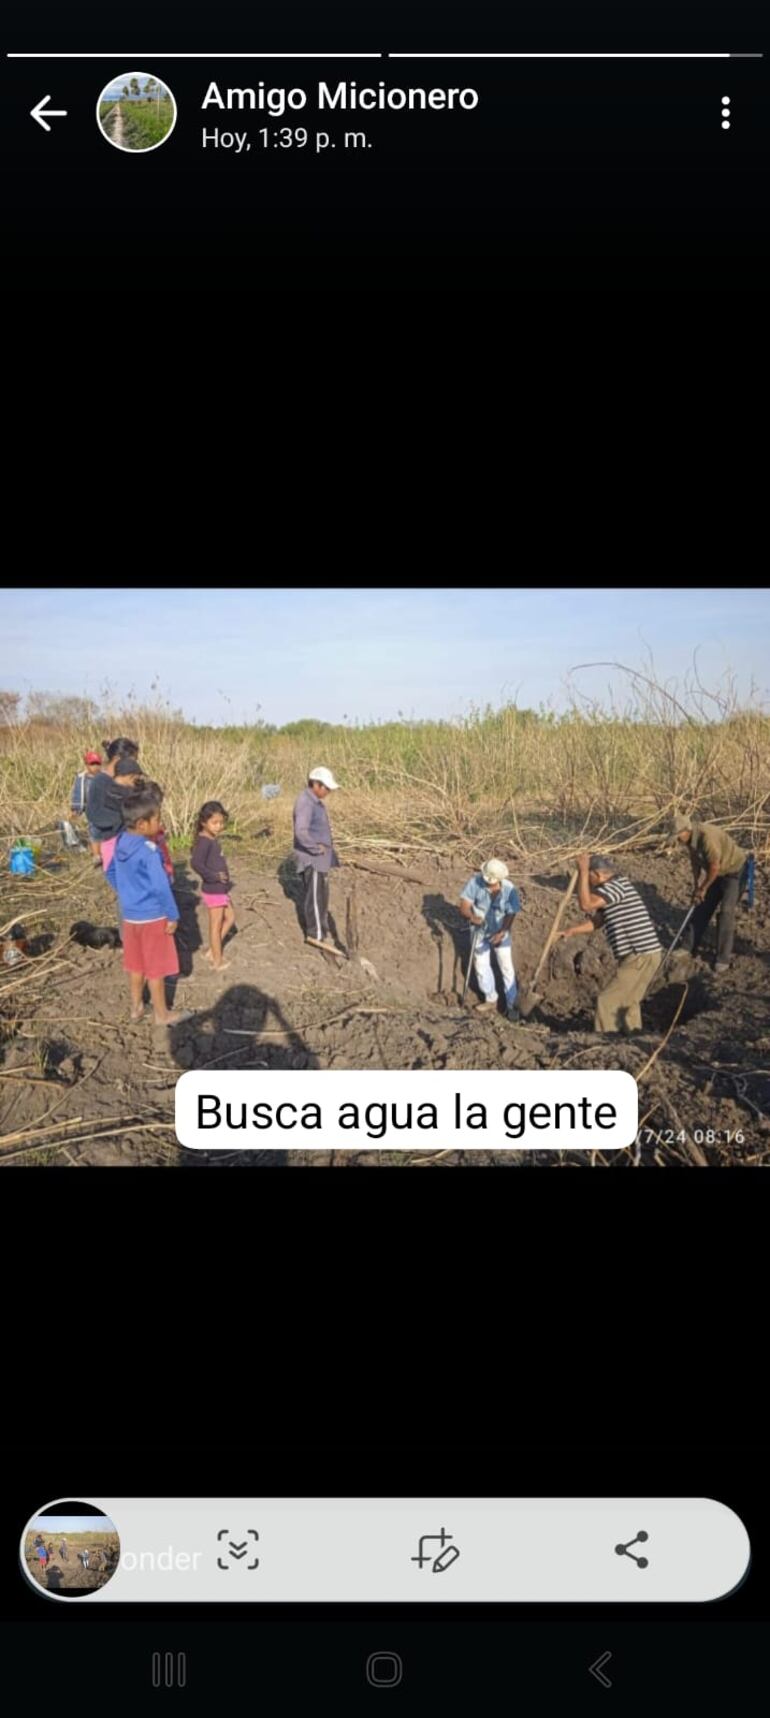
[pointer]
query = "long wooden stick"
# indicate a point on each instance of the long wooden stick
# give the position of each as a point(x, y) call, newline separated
point(386, 871)
point(77, 1121)
point(35, 1132)
point(89, 1139)
point(554, 928)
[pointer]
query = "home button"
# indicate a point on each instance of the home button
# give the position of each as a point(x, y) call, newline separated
point(384, 1669)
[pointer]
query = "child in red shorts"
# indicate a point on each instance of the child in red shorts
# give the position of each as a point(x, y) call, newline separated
point(150, 914)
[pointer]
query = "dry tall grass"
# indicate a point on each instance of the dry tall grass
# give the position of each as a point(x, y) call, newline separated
point(505, 780)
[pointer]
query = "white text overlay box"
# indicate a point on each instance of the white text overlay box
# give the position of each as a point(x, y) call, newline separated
point(391, 1110)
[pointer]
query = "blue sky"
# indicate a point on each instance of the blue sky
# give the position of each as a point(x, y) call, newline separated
point(70, 1524)
point(228, 655)
point(114, 91)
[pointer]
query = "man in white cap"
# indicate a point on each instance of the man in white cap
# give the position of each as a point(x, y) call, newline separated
point(490, 903)
point(314, 853)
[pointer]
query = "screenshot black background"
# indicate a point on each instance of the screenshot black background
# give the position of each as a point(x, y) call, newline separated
point(570, 173)
point(256, 1338)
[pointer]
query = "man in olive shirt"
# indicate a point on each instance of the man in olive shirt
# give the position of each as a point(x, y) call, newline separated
point(725, 868)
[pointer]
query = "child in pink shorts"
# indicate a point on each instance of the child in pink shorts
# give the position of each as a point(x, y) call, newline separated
point(209, 861)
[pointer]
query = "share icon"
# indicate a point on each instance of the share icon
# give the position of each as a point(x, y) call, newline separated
point(623, 1551)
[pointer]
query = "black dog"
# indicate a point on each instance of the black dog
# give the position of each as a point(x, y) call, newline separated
point(94, 936)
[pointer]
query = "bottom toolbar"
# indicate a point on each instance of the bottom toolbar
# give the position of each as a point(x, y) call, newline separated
point(383, 1550)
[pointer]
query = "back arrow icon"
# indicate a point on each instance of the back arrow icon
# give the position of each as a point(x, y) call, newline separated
point(596, 1670)
point(51, 112)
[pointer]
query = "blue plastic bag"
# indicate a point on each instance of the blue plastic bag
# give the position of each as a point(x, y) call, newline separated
point(21, 861)
point(750, 881)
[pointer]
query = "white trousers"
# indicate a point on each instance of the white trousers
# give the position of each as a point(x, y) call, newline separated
point(482, 966)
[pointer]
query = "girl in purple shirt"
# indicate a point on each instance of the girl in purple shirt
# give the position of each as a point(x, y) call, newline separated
point(209, 861)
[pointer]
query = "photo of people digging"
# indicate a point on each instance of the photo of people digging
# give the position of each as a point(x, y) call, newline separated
point(70, 1553)
point(570, 875)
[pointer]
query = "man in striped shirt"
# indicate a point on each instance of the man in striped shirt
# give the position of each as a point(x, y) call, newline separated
point(618, 907)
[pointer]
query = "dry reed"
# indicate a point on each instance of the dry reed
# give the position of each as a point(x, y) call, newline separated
point(525, 786)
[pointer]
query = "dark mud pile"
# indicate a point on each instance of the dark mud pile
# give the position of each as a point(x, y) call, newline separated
point(70, 1060)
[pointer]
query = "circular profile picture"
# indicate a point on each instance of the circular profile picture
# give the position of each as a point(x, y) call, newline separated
point(136, 112)
point(70, 1549)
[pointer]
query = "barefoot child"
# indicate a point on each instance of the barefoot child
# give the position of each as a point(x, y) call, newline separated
point(150, 914)
point(209, 861)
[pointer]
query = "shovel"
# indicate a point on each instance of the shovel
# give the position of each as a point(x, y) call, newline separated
point(474, 940)
point(680, 932)
point(529, 995)
point(351, 934)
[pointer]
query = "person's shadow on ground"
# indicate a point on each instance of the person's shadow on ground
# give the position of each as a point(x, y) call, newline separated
point(188, 937)
point(228, 1035)
point(452, 938)
point(559, 882)
point(666, 915)
point(291, 883)
point(667, 918)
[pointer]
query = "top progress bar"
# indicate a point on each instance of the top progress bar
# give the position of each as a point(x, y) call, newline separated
point(558, 56)
point(157, 54)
